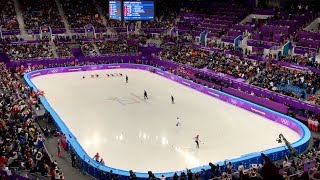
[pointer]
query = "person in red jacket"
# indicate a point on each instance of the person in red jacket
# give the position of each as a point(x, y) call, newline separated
point(3, 162)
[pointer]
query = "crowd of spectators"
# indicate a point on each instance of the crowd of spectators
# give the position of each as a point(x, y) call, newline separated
point(81, 13)
point(64, 49)
point(42, 14)
point(8, 17)
point(186, 55)
point(300, 60)
point(226, 46)
point(8, 39)
point(288, 168)
point(28, 51)
point(116, 47)
point(235, 66)
point(21, 141)
point(299, 167)
point(88, 49)
point(160, 23)
point(295, 83)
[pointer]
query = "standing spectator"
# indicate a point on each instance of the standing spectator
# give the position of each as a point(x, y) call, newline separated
point(229, 168)
point(175, 176)
point(96, 157)
point(59, 150)
point(240, 168)
point(52, 173)
point(316, 124)
point(189, 174)
point(162, 177)
point(73, 159)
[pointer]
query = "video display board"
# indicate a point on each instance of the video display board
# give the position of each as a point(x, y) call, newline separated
point(115, 9)
point(138, 10)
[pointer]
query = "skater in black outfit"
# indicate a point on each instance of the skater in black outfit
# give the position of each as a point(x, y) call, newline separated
point(196, 139)
point(83, 77)
point(145, 95)
point(127, 79)
point(172, 99)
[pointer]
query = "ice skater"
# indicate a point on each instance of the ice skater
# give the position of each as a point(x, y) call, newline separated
point(92, 75)
point(172, 99)
point(197, 140)
point(97, 75)
point(178, 122)
point(145, 95)
point(127, 79)
point(83, 77)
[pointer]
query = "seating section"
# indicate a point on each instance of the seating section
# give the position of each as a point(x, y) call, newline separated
point(215, 24)
point(81, 13)
point(293, 83)
point(307, 42)
point(186, 55)
point(8, 17)
point(116, 47)
point(236, 67)
point(88, 49)
point(295, 74)
point(302, 60)
point(28, 51)
point(278, 29)
point(22, 144)
point(64, 49)
point(37, 14)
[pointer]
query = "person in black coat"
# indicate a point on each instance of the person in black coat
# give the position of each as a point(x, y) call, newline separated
point(73, 159)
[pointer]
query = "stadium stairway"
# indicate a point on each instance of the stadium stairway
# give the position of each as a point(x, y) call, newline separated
point(64, 19)
point(54, 49)
point(64, 162)
point(96, 49)
point(20, 20)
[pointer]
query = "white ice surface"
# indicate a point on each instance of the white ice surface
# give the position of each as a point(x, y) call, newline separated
point(110, 117)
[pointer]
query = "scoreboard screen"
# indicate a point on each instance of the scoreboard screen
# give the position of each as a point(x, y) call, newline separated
point(115, 10)
point(138, 10)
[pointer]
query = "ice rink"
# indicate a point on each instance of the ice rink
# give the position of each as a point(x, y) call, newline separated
point(110, 116)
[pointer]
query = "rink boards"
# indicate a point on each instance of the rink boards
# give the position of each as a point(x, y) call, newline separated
point(96, 169)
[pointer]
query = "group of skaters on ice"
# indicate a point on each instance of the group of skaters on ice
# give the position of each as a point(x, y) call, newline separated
point(145, 96)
